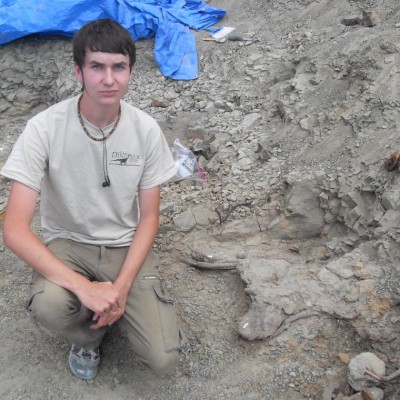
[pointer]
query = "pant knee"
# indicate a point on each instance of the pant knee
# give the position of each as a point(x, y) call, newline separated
point(48, 314)
point(164, 363)
point(54, 310)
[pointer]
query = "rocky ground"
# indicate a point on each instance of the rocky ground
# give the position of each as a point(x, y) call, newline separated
point(285, 263)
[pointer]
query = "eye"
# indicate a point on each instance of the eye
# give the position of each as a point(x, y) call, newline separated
point(120, 67)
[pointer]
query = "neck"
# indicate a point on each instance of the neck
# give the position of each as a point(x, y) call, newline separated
point(99, 116)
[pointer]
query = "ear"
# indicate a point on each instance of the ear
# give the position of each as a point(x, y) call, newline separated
point(78, 73)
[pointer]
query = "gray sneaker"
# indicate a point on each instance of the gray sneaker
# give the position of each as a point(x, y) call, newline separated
point(83, 363)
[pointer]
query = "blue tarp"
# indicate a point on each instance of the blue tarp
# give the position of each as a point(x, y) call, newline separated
point(168, 21)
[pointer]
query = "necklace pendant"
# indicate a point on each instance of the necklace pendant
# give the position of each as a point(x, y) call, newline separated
point(97, 139)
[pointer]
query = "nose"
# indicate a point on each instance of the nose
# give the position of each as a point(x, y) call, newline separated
point(108, 76)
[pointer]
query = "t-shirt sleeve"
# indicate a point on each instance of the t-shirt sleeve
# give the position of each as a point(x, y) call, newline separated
point(159, 163)
point(28, 159)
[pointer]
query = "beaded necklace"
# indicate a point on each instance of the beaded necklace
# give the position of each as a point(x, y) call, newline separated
point(88, 133)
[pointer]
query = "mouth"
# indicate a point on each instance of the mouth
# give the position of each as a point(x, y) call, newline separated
point(108, 93)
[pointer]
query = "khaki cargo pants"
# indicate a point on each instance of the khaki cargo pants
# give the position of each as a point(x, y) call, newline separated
point(149, 320)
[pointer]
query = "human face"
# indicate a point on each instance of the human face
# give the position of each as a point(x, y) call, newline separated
point(105, 77)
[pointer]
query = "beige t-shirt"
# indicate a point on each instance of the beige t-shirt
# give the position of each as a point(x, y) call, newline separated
point(56, 158)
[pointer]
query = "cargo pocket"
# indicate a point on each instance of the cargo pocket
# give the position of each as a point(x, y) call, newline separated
point(172, 334)
point(36, 287)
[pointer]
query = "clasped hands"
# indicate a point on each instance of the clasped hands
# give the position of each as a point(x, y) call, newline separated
point(106, 302)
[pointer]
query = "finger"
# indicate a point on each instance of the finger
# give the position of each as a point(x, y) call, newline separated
point(100, 323)
point(97, 325)
point(106, 311)
point(114, 308)
point(115, 318)
point(112, 320)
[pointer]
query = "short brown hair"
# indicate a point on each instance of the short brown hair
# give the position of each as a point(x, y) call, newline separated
point(105, 35)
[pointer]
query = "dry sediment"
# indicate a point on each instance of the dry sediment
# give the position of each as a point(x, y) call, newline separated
point(297, 130)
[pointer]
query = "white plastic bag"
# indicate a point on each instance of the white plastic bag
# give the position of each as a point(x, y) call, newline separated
point(186, 161)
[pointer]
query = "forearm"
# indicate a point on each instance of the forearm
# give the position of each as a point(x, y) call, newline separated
point(140, 247)
point(19, 237)
point(146, 231)
point(137, 253)
point(27, 246)
point(100, 297)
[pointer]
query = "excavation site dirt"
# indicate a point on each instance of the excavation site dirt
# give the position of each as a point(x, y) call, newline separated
point(284, 261)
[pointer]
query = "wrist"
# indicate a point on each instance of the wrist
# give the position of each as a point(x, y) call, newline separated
point(123, 287)
point(79, 284)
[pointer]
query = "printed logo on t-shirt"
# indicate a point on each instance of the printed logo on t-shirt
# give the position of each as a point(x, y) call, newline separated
point(125, 159)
